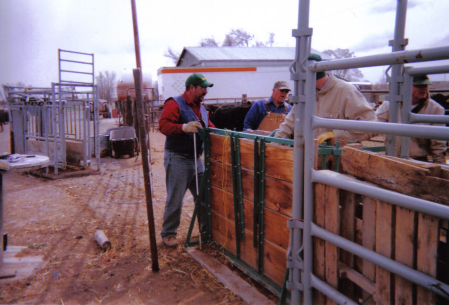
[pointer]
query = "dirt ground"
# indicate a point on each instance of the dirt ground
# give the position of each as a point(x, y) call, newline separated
point(58, 219)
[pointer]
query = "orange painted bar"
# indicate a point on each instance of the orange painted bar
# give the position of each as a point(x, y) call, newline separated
point(203, 69)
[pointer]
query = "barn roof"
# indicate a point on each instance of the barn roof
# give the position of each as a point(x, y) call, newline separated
point(194, 56)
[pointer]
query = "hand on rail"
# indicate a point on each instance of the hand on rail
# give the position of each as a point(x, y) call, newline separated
point(325, 136)
point(191, 127)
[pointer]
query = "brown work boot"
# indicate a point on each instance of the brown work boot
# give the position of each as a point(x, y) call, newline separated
point(170, 241)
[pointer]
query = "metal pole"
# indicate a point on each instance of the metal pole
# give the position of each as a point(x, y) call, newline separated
point(196, 182)
point(396, 80)
point(146, 168)
point(294, 261)
point(136, 36)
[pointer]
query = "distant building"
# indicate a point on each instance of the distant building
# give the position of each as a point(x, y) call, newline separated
point(233, 70)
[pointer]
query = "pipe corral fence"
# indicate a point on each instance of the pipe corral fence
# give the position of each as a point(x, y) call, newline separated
point(61, 121)
point(302, 277)
point(401, 233)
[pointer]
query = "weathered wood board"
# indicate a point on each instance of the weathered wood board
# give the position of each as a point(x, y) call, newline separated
point(409, 177)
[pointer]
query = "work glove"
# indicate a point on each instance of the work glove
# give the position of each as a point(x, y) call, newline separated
point(325, 136)
point(191, 126)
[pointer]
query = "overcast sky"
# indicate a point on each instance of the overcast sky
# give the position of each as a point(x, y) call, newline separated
point(32, 31)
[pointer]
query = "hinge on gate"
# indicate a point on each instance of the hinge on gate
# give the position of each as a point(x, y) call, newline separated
point(295, 286)
point(302, 32)
point(295, 264)
point(294, 223)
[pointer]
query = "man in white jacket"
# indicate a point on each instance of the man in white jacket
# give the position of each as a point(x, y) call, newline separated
point(422, 104)
point(335, 99)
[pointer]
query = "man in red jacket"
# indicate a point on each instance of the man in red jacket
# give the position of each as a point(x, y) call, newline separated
point(180, 120)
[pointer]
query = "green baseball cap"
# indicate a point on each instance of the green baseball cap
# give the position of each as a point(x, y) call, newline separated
point(421, 80)
point(317, 57)
point(197, 79)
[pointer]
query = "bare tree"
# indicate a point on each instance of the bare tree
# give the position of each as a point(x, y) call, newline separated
point(270, 40)
point(209, 42)
point(172, 55)
point(237, 38)
point(348, 74)
point(106, 82)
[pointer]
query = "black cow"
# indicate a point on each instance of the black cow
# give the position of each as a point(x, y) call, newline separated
point(228, 116)
point(441, 99)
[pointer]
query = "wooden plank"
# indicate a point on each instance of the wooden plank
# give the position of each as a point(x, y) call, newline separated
point(427, 256)
point(369, 238)
point(319, 258)
point(348, 202)
point(404, 253)
point(332, 224)
point(220, 148)
point(275, 260)
point(236, 284)
point(384, 221)
point(222, 202)
point(394, 175)
point(275, 229)
point(366, 284)
point(278, 158)
point(279, 161)
point(435, 169)
point(278, 193)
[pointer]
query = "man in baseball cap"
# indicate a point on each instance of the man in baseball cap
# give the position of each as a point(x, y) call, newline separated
point(197, 79)
point(421, 149)
point(180, 120)
point(275, 104)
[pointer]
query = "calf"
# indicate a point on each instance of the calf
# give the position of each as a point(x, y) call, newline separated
point(229, 116)
point(441, 99)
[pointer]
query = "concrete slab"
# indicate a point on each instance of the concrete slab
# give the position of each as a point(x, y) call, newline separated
point(17, 268)
point(233, 282)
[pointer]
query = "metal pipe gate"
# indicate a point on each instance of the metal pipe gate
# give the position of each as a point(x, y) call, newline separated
point(68, 111)
point(299, 261)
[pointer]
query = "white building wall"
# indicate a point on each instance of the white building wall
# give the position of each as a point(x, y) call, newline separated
point(229, 83)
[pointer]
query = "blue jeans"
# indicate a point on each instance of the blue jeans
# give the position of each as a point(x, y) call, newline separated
point(180, 176)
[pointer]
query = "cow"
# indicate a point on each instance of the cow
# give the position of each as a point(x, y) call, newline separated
point(441, 99)
point(228, 116)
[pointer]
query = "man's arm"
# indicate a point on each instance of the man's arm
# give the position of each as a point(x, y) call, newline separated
point(168, 123)
point(382, 112)
point(287, 127)
point(356, 108)
point(251, 118)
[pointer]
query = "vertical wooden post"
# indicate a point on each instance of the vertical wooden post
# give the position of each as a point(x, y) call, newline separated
point(427, 257)
point(404, 253)
point(332, 224)
point(244, 99)
point(327, 216)
point(146, 168)
point(384, 221)
point(348, 203)
point(319, 259)
point(369, 237)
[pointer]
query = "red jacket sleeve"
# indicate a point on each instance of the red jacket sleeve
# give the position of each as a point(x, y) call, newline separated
point(168, 123)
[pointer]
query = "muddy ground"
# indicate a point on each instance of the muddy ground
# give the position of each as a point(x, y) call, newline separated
point(58, 219)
